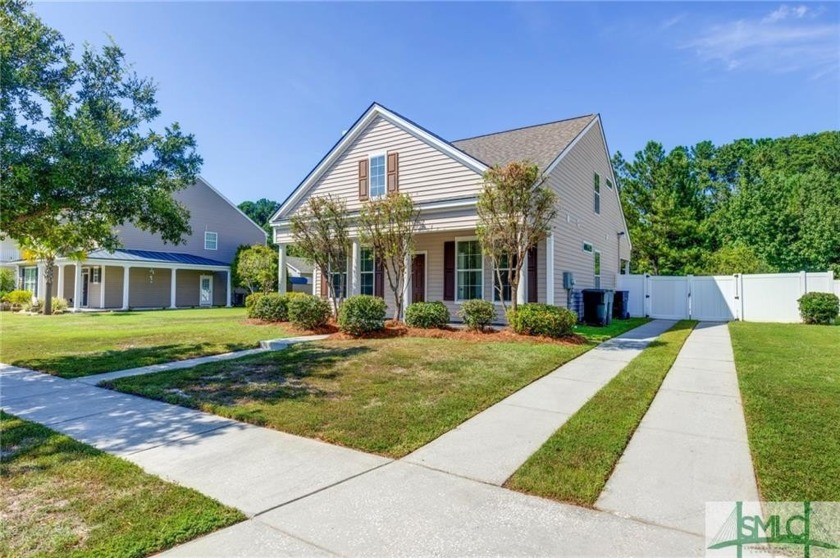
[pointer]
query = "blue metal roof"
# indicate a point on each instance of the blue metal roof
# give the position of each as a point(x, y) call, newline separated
point(147, 256)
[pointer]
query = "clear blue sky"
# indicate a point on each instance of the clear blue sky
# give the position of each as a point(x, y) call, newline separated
point(267, 88)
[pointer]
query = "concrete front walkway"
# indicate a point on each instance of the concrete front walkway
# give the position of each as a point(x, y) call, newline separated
point(691, 447)
point(492, 445)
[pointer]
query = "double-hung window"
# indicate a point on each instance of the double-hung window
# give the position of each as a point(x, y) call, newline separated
point(367, 270)
point(211, 240)
point(596, 184)
point(596, 264)
point(504, 281)
point(468, 270)
point(30, 280)
point(377, 176)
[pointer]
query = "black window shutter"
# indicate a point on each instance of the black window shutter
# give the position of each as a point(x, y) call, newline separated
point(532, 274)
point(449, 270)
point(378, 278)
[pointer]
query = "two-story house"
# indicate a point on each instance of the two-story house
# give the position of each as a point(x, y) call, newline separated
point(146, 272)
point(384, 152)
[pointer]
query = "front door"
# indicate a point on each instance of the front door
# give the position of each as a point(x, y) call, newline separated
point(418, 278)
point(205, 296)
point(85, 287)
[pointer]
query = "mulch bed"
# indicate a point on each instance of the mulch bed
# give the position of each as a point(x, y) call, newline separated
point(397, 329)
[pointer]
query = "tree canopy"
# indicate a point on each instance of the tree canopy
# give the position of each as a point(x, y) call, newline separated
point(746, 206)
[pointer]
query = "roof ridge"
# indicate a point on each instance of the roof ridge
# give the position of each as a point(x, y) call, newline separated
point(592, 114)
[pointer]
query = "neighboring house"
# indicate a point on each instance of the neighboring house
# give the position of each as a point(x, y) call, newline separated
point(385, 152)
point(300, 274)
point(148, 273)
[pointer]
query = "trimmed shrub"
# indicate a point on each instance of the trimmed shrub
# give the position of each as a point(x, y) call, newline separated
point(427, 315)
point(361, 314)
point(477, 314)
point(309, 312)
point(272, 307)
point(251, 302)
point(19, 298)
point(32, 305)
point(542, 319)
point(59, 305)
point(819, 308)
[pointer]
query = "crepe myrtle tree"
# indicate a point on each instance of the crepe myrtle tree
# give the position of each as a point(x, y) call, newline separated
point(77, 156)
point(321, 233)
point(514, 214)
point(388, 225)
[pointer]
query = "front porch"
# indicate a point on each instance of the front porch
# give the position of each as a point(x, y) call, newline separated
point(447, 266)
point(127, 279)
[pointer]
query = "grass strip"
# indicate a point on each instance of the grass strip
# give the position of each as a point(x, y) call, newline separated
point(576, 462)
point(789, 375)
point(64, 498)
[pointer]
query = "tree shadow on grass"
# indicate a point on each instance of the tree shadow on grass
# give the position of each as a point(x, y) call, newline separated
point(87, 364)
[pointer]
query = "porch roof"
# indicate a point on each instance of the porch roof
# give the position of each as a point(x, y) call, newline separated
point(148, 256)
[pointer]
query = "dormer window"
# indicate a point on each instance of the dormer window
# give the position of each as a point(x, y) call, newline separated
point(377, 176)
point(211, 240)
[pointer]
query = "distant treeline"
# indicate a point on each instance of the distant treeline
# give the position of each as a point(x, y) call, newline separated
point(751, 206)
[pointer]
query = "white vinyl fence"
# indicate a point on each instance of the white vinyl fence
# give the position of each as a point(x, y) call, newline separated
point(768, 297)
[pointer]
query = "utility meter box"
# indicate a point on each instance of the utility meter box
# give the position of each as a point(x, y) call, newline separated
point(568, 280)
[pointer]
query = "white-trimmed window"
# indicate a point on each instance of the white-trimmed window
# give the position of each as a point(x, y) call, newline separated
point(469, 270)
point(30, 280)
point(503, 270)
point(377, 176)
point(609, 184)
point(339, 282)
point(367, 270)
point(596, 185)
point(96, 274)
point(596, 266)
point(587, 247)
point(211, 240)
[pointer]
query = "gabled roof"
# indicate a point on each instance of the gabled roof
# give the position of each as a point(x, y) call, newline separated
point(301, 265)
point(540, 144)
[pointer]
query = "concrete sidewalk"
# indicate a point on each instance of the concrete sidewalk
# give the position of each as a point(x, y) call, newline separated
point(691, 447)
point(265, 346)
point(492, 445)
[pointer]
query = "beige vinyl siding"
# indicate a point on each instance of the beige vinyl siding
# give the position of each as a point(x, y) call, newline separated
point(69, 282)
point(425, 173)
point(187, 287)
point(577, 222)
point(114, 286)
point(94, 290)
point(143, 293)
point(208, 212)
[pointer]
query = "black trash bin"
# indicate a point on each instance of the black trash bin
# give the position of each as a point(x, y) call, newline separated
point(621, 305)
point(597, 306)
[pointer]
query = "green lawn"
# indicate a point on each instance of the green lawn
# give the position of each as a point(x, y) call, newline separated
point(576, 462)
point(63, 498)
point(616, 327)
point(73, 345)
point(789, 376)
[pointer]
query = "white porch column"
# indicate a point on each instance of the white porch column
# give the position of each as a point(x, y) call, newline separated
point(521, 295)
point(228, 293)
point(282, 270)
point(126, 270)
point(60, 287)
point(77, 288)
point(407, 285)
point(549, 269)
point(172, 288)
point(355, 268)
point(42, 282)
point(102, 287)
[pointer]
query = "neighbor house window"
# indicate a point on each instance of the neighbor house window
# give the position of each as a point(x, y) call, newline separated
point(211, 240)
point(596, 263)
point(504, 269)
point(367, 271)
point(377, 176)
point(30, 280)
point(597, 188)
point(95, 274)
point(469, 270)
point(587, 247)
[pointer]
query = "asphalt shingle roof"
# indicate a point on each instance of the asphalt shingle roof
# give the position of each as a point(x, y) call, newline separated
point(149, 256)
point(540, 144)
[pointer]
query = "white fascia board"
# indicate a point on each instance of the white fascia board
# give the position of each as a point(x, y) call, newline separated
point(372, 113)
point(157, 265)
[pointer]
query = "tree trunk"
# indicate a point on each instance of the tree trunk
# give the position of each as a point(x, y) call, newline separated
point(48, 280)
